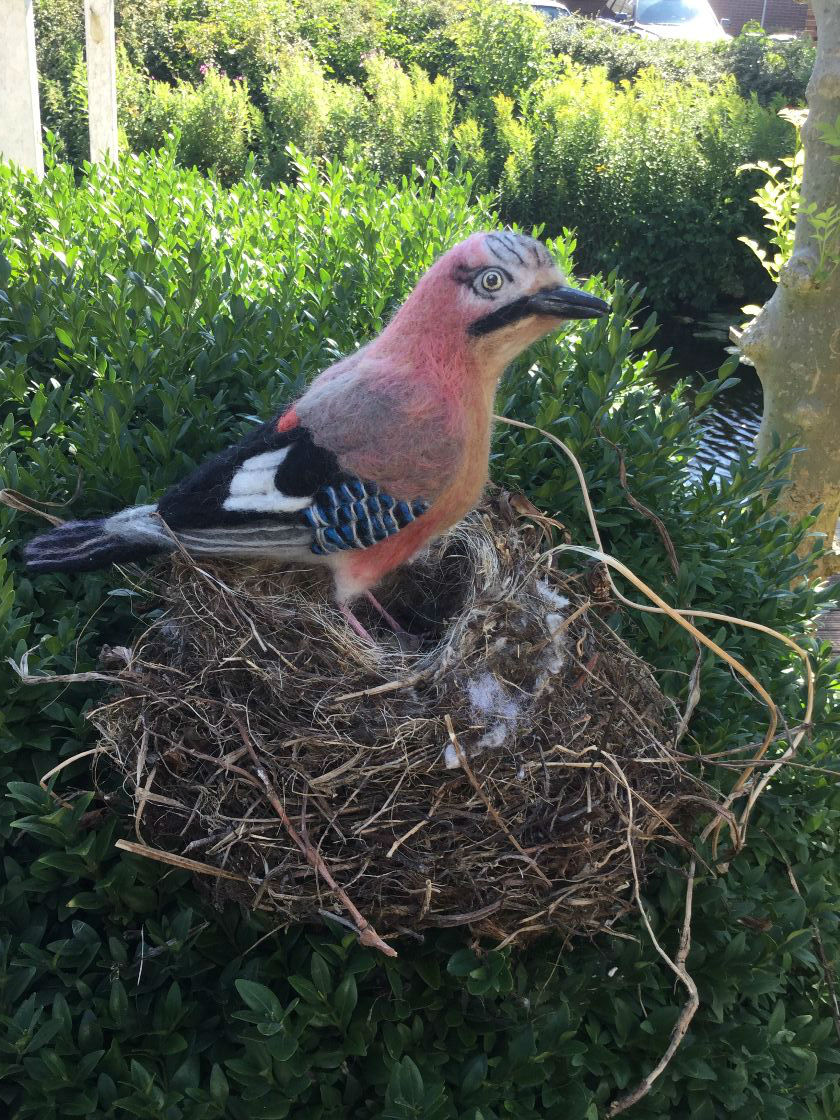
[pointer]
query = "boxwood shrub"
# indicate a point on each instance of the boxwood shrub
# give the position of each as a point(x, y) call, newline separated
point(147, 316)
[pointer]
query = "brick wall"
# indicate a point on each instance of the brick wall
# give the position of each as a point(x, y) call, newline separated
point(782, 15)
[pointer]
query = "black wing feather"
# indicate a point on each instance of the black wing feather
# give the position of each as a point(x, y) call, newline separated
point(197, 502)
point(345, 512)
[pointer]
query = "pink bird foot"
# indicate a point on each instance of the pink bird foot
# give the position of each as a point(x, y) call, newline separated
point(389, 619)
point(354, 624)
point(406, 641)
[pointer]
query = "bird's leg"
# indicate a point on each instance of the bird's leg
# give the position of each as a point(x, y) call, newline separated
point(389, 619)
point(355, 624)
point(407, 642)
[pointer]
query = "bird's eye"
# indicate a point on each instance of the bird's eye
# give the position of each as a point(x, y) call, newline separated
point(492, 280)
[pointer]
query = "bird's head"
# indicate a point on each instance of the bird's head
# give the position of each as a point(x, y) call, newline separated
point(494, 295)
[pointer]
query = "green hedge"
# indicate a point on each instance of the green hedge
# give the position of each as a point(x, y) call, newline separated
point(645, 171)
point(146, 317)
point(775, 71)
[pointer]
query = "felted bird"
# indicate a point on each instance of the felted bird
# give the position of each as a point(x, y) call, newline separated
point(386, 449)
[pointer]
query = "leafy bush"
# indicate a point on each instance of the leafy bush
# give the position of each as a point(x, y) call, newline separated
point(624, 56)
point(147, 316)
point(468, 143)
point(775, 71)
point(173, 39)
point(217, 125)
point(417, 33)
point(341, 32)
point(643, 172)
point(147, 32)
point(147, 109)
point(397, 121)
point(499, 48)
point(780, 200)
point(299, 103)
point(410, 117)
point(643, 168)
point(59, 37)
point(64, 113)
point(60, 32)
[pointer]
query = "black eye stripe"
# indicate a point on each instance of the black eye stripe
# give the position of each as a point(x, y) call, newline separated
point(503, 316)
point(462, 274)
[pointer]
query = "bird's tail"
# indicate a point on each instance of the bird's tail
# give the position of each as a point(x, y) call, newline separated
point(82, 546)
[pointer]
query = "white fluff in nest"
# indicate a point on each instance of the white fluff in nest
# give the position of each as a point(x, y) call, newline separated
point(450, 758)
point(558, 601)
point(492, 704)
point(552, 662)
point(488, 697)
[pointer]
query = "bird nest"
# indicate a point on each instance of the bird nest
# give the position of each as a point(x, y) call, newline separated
point(508, 775)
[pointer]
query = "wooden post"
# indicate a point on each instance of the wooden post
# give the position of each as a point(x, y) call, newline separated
point(101, 51)
point(20, 110)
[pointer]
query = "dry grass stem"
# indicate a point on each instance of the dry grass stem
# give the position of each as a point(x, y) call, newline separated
point(193, 865)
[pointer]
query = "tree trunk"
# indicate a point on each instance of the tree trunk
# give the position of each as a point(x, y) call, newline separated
point(795, 341)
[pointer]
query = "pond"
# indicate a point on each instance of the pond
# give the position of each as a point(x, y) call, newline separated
point(734, 416)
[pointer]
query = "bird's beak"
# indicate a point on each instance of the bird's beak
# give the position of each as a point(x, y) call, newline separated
point(567, 303)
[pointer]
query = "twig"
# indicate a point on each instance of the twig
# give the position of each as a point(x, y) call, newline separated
point(72, 678)
point(677, 965)
point(377, 690)
point(420, 824)
point(643, 509)
point(689, 1010)
point(462, 758)
point(143, 794)
point(467, 919)
point(681, 616)
point(693, 698)
point(62, 766)
point(15, 500)
point(366, 933)
point(177, 861)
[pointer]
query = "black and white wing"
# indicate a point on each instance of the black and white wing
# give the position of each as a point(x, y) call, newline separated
point(279, 491)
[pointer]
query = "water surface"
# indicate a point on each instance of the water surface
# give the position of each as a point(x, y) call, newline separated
point(735, 414)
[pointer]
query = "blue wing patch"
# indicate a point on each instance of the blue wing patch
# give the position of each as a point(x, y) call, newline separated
point(356, 514)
